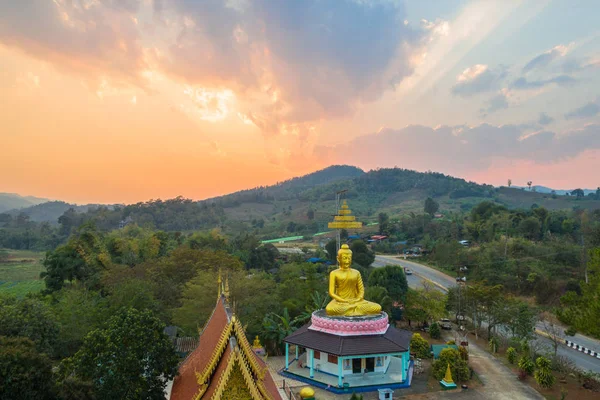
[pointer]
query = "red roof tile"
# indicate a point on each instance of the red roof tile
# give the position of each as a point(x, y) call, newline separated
point(185, 385)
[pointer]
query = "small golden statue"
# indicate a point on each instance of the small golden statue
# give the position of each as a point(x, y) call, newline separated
point(347, 290)
point(256, 344)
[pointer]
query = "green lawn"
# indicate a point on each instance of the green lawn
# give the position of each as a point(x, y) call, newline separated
point(20, 272)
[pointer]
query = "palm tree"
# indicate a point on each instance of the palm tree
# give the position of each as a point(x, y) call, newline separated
point(276, 328)
point(318, 301)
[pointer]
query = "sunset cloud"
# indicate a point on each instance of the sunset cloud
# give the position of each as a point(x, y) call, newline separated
point(291, 63)
point(546, 58)
point(133, 99)
point(98, 39)
point(478, 79)
point(442, 149)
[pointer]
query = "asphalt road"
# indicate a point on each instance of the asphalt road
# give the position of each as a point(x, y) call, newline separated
point(443, 282)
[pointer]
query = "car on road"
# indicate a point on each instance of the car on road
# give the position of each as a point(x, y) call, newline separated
point(445, 323)
point(408, 271)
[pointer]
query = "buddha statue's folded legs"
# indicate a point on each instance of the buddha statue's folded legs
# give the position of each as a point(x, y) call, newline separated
point(358, 308)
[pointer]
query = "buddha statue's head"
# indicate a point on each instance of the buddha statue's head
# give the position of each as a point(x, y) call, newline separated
point(344, 257)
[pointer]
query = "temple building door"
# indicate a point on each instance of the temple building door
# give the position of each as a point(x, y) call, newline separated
point(370, 364)
point(356, 365)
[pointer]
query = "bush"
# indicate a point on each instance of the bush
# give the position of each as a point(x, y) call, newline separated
point(420, 346)
point(434, 331)
point(543, 374)
point(451, 342)
point(570, 331)
point(464, 353)
point(526, 365)
point(511, 355)
point(458, 366)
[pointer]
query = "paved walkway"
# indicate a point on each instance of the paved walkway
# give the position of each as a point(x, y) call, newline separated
point(498, 381)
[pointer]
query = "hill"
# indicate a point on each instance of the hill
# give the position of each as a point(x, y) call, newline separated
point(9, 201)
point(50, 211)
point(305, 204)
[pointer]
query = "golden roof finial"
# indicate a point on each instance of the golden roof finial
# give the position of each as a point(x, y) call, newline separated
point(219, 284)
point(226, 290)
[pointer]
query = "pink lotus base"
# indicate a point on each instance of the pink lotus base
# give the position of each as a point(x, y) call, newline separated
point(349, 326)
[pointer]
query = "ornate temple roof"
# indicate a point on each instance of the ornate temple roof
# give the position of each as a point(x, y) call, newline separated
point(392, 341)
point(223, 348)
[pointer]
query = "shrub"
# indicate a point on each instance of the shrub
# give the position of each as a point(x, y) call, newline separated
point(458, 366)
point(570, 331)
point(511, 355)
point(526, 365)
point(464, 353)
point(420, 346)
point(543, 374)
point(450, 342)
point(434, 331)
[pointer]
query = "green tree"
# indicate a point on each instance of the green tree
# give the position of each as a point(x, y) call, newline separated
point(276, 328)
point(392, 278)
point(331, 248)
point(434, 331)
point(431, 206)
point(425, 304)
point(583, 312)
point(579, 193)
point(253, 295)
point(361, 254)
point(82, 259)
point(77, 311)
point(458, 367)
point(543, 374)
point(129, 359)
point(24, 373)
point(29, 318)
point(420, 346)
point(384, 223)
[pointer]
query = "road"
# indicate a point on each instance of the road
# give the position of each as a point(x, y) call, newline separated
point(443, 282)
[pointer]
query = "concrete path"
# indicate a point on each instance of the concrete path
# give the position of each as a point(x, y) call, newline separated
point(499, 382)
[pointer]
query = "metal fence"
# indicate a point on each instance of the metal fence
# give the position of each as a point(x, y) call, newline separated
point(289, 391)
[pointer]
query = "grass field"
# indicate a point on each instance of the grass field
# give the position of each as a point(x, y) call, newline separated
point(20, 272)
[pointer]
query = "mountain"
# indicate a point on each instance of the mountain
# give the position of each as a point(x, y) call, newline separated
point(290, 188)
point(9, 201)
point(305, 204)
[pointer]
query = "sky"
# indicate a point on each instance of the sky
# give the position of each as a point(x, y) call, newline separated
point(120, 101)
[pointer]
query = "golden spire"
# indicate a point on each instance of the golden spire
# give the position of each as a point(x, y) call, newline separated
point(448, 378)
point(226, 290)
point(219, 284)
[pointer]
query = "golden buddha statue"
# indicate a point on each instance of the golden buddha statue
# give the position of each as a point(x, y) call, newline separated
point(347, 290)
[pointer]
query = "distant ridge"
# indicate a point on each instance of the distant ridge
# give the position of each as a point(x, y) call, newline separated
point(9, 201)
point(545, 189)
